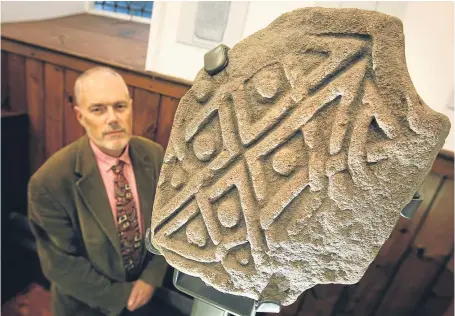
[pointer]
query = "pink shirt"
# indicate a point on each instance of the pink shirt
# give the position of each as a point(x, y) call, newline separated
point(105, 163)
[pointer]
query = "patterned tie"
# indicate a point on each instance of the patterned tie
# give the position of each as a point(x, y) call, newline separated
point(127, 222)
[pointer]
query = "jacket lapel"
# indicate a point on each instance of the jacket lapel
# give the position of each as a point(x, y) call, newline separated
point(92, 191)
point(145, 179)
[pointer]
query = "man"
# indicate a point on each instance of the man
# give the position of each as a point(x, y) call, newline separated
point(90, 205)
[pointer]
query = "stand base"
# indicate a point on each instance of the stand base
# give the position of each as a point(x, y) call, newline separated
point(201, 308)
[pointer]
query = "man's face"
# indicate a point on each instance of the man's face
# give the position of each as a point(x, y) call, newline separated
point(105, 111)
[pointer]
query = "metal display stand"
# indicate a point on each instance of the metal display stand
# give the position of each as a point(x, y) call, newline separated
point(211, 302)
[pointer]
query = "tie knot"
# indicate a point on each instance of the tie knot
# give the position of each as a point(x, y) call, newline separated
point(118, 168)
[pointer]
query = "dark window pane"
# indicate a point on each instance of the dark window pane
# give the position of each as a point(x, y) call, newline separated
point(136, 8)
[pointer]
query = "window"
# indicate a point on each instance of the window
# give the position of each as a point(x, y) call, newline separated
point(211, 19)
point(206, 24)
point(140, 11)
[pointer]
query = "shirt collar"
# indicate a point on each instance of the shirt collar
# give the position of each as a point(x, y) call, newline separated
point(106, 162)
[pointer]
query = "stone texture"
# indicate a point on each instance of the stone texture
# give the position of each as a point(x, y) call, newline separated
point(290, 167)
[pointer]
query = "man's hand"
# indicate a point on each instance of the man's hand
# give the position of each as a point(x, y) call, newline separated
point(140, 295)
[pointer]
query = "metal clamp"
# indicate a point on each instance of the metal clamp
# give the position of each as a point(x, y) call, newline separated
point(216, 59)
point(268, 307)
point(148, 243)
point(409, 210)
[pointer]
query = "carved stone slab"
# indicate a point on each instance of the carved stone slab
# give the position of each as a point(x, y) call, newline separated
point(291, 166)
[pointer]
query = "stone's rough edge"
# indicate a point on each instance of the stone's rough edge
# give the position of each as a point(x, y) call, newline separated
point(374, 21)
point(401, 80)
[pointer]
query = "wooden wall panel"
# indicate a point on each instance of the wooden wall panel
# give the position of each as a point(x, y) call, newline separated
point(168, 108)
point(294, 308)
point(52, 119)
point(449, 311)
point(16, 77)
point(321, 300)
point(439, 296)
point(406, 229)
point(72, 129)
point(436, 236)
point(145, 113)
point(409, 285)
point(443, 164)
point(35, 96)
point(5, 81)
point(143, 81)
point(54, 103)
point(131, 92)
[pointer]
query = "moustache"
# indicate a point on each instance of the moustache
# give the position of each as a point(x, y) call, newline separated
point(114, 131)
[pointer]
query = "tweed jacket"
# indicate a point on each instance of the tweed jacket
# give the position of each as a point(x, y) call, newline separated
point(76, 236)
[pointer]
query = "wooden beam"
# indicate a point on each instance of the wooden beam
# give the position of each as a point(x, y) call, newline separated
point(168, 108)
point(145, 113)
point(4, 81)
point(35, 94)
point(54, 90)
point(16, 85)
point(72, 129)
point(440, 296)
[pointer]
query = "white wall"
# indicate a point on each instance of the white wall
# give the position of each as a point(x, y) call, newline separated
point(17, 11)
point(165, 53)
point(429, 38)
point(428, 29)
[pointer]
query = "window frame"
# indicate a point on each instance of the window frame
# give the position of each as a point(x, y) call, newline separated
point(90, 9)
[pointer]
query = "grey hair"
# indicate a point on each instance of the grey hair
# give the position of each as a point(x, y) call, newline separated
point(85, 74)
